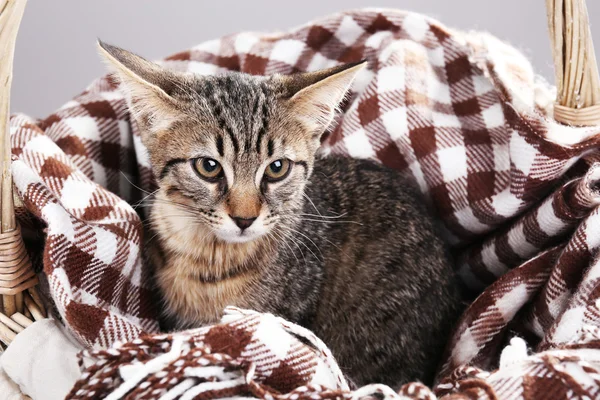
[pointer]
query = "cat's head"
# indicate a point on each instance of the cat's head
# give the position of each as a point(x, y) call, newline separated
point(231, 153)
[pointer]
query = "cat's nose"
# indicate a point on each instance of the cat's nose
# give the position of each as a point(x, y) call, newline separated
point(243, 223)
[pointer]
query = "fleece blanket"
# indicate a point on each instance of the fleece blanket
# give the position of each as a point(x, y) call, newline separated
point(462, 114)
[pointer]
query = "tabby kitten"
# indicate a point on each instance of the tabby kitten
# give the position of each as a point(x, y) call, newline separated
point(245, 216)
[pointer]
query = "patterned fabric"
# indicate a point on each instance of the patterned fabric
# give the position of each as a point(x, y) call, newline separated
point(464, 115)
point(259, 355)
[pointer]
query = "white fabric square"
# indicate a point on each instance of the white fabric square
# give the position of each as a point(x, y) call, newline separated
point(85, 127)
point(442, 120)
point(481, 84)
point(453, 162)
point(99, 173)
point(320, 62)
point(273, 337)
point(466, 348)
point(491, 260)
point(362, 80)
point(23, 176)
point(133, 264)
point(438, 91)
point(211, 46)
point(493, 116)
point(202, 68)
point(467, 219)
point(358, 145)
point(416, 25)
point(110, 96)
point(396, 122)
point(391, 78)
point(511, 301)
point(244, 42)
point(570, 325)
point(505, 203)
point(348, 31)
point(76, 194)
point(106, 245)
point(518, 242)
point(548, 222)
point(59, 221)
point(287, 51)
point(375, 40)
point(592, 230)
point(501, 158)
point(522, 154)
point(436, 57)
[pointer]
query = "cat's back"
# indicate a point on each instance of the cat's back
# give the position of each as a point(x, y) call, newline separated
point(378, 195)
point(388, 285)
point(359, 207)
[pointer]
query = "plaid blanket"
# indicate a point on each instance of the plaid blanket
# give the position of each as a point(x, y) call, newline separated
point(462, 114)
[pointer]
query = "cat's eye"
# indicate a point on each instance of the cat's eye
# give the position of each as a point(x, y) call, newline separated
point(208, 168)
point(278, 170)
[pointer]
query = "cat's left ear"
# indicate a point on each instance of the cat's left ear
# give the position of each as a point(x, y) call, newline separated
point(148, 87)
point(316, 95)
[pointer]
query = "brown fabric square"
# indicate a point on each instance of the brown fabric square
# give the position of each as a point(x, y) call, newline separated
point(423, 141)
point(368, 110)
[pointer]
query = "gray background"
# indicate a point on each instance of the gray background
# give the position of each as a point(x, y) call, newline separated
point(56, 55)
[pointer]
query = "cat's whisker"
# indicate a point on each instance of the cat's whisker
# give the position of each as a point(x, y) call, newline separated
point(311, 202)
point(150, 202)
point(335, 245)
point(145, 198)
point(134, 185)
point(295, 242)
point(305, 245)
point(283, 239)
point(323, 216)
point(271, 235)
point(331, 222)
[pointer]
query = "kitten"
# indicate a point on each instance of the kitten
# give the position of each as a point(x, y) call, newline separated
point(245, 216)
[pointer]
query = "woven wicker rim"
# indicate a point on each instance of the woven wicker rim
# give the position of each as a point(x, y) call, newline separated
point(576, 70)
point(21, 303)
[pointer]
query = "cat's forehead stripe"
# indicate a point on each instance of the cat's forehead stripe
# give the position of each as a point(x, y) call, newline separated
point(220, 145)
point(262, 95)
point(270, 147)
point(219, 114)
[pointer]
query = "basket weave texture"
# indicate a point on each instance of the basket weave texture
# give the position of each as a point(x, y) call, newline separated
point(20, 300)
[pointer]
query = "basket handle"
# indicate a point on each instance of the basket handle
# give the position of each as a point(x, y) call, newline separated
point(577, 79)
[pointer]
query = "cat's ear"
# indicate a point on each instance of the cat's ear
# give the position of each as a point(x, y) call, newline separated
point(148, 87)
point(316, 95)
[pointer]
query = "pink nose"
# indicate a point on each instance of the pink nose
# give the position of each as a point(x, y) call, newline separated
point(243, 223)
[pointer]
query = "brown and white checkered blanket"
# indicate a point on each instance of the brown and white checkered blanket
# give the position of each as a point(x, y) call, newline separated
point(463, 114)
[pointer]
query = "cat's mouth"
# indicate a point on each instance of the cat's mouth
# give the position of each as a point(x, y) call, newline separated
point(242, 236)
point(236, 230)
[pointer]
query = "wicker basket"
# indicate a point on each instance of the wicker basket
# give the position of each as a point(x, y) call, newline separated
point(20, 304)
point(577, 103)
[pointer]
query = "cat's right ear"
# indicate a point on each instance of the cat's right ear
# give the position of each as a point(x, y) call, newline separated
point(147, 86)
point(316, 95)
